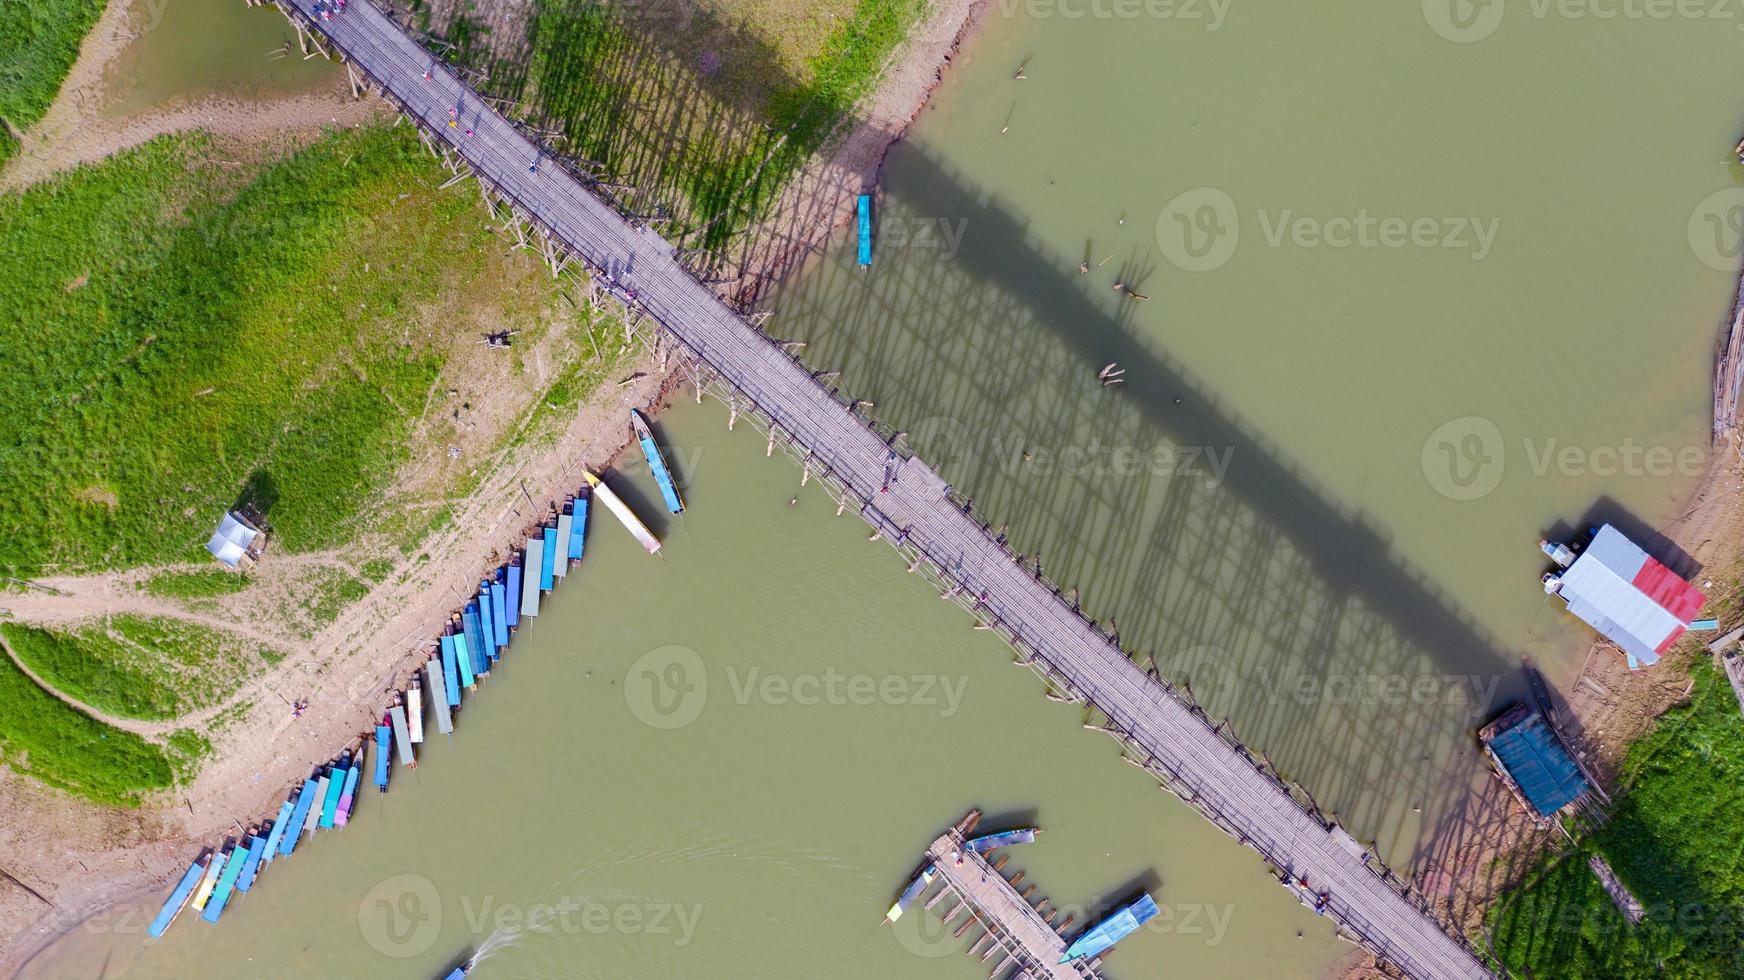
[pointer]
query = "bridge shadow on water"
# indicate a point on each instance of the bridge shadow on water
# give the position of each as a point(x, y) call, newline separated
point(1282, 608)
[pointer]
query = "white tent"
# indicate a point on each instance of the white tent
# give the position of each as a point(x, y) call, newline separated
point(233, 541)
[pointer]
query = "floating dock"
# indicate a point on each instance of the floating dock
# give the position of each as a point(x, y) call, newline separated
point(623, 513)
point(1012, 931)
point(657, 464)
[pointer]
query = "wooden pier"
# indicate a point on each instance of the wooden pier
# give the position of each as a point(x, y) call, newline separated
point(1015, 938)
point(862, 464)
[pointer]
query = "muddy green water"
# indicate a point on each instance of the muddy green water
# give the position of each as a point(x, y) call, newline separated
point(1315, 498)
point(1412, 304)
point(765, 832)
point(193, 49)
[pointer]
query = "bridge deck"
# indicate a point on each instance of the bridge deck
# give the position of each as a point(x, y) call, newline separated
point(915, 504)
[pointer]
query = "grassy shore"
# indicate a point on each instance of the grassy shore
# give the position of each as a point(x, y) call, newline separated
point(65, 748)
point(704, 118)
point(1672, 838)
point(182, 341)
point(39, 41)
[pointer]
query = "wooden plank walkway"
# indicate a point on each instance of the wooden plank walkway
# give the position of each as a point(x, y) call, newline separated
point(906, 500)
point(1022, 933)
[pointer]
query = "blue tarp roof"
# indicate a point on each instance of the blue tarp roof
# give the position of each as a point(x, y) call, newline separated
point(1535, 759)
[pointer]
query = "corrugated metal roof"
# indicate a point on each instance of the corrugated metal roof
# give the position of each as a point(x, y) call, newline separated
point(1535, 760)
point(1633, 600)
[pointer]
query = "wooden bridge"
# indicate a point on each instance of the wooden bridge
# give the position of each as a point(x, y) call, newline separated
point(904, 500)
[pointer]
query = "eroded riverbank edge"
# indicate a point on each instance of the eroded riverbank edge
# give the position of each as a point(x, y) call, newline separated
point(88, 860)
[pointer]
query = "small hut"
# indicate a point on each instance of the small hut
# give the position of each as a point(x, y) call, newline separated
point(1533, 762)
point(1630, 598)
point(238, 542)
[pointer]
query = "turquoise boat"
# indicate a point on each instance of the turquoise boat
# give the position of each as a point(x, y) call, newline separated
point(226, 882)
point(657, 463)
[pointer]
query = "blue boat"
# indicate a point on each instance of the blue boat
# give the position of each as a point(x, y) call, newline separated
point(864, 207)
point(578, 527)
point(348, 796)
point(486, 629)
point(474, 640)
point(548, 561)
point(251, 867)
point(450, 678)
point(1005, 838)
point(172, 906)
point(512, 596)
point(657, 463)
point(279, 824)
point(499, 616)
point(1124, 922)
point(226, 882)
point(383, 735)
point(294, 832)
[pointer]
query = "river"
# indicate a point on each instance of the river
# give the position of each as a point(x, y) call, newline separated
point(1420, 290)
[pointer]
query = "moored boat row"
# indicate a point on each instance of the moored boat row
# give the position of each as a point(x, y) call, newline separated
point(472, 640)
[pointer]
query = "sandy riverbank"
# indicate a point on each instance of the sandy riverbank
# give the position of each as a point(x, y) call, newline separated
point(69, 862)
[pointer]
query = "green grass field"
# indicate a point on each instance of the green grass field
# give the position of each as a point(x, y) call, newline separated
point(135, 666)
point(706, 119)
point(1673, 838)
point(180, 340)
point(39, 40)
point(204, 584)
point(63, 747)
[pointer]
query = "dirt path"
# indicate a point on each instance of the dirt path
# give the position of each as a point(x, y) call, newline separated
point(126, 724)
point(76, 130)
point(81, 860)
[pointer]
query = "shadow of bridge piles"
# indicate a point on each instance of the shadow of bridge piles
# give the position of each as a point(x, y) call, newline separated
point(1247, 585)
point(664, 104)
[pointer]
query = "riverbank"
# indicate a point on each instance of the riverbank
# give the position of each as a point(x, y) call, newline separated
point(70, 861)
point(1604, 710)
